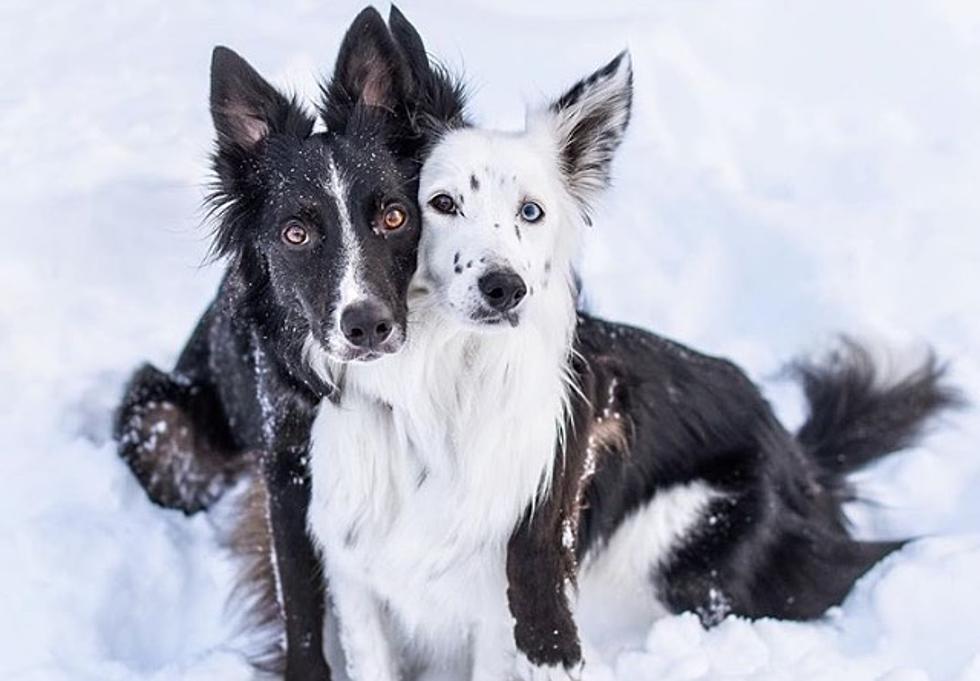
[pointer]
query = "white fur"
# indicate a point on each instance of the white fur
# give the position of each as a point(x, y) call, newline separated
point(427, 461)
point(319, 359)
point(488, 233)
point(617, 595)
point(351, 289)
point(425, 466)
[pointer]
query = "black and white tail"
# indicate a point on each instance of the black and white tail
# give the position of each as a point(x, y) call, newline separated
point(858, 414)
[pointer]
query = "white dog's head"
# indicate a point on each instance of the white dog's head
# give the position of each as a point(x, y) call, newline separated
point(503, 212)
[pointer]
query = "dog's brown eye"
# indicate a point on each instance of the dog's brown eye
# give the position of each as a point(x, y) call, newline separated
point(295, 234)
point(394, 218)
point(443, 203)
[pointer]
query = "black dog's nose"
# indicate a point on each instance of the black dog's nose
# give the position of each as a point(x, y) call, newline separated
point(502, 289)
point(366, 324)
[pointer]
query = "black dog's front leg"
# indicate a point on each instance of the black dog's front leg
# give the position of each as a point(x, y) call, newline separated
point(539, 576)
point(300, 577)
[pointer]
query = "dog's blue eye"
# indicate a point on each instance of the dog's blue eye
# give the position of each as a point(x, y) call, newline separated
point(531, 212)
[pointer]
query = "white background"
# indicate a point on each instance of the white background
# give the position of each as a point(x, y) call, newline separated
point(793, 170)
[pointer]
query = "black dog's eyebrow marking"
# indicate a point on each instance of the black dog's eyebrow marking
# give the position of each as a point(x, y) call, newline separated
point(474, 183)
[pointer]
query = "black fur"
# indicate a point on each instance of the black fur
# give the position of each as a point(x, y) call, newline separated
point(852, 419)
point(242, 384)
point(173, 431)
point(777, 544)
point(540, 564)
point(654, 415)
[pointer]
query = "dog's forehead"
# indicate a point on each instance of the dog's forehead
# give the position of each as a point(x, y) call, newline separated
point(318, 161)
point(472, 160)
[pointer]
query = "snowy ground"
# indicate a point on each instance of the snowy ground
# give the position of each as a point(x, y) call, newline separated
point(793, 170)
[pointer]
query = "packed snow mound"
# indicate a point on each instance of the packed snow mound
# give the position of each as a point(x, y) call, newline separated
point(793, 170)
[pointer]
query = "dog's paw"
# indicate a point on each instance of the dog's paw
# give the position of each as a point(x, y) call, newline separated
point(528, 671)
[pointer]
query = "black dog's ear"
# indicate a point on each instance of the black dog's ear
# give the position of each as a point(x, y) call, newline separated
point(409, 40)
point(438, 98)
point(370, 71)
point(245, 108)
point(588, 122)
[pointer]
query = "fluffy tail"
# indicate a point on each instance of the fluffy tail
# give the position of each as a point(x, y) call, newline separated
point(858, 414)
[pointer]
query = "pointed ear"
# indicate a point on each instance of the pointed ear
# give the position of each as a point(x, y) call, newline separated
point(409, 40)
point(588, 123)
point(371, 69)
point(245, 108)
point(437, 98)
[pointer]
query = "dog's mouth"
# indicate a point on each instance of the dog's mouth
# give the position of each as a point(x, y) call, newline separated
point(342, 352)
point(364, 356)
point(493, 319)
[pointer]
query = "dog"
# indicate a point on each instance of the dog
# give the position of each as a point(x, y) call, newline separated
point(519, 459)
point(320, 231)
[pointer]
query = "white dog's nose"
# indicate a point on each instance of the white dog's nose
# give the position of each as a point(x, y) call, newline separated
point(503, 290)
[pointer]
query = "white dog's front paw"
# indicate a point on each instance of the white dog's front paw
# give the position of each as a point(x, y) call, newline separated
point(528, 671)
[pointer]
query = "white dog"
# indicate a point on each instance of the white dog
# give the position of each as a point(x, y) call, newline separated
point(430, 461)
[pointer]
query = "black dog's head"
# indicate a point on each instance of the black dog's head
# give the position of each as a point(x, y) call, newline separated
point(322, 227)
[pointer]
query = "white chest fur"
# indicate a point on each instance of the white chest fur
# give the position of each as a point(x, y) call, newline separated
point(423, 470)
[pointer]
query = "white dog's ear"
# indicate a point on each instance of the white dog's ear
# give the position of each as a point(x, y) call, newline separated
point(588, 122)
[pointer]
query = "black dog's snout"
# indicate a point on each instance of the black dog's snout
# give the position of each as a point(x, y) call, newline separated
point(502, 289)
point(367, 324)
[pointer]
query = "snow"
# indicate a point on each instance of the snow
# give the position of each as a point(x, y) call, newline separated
point(793, 170)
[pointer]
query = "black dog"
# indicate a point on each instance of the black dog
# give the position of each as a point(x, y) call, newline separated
point(661, 429)
point(320, 231)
